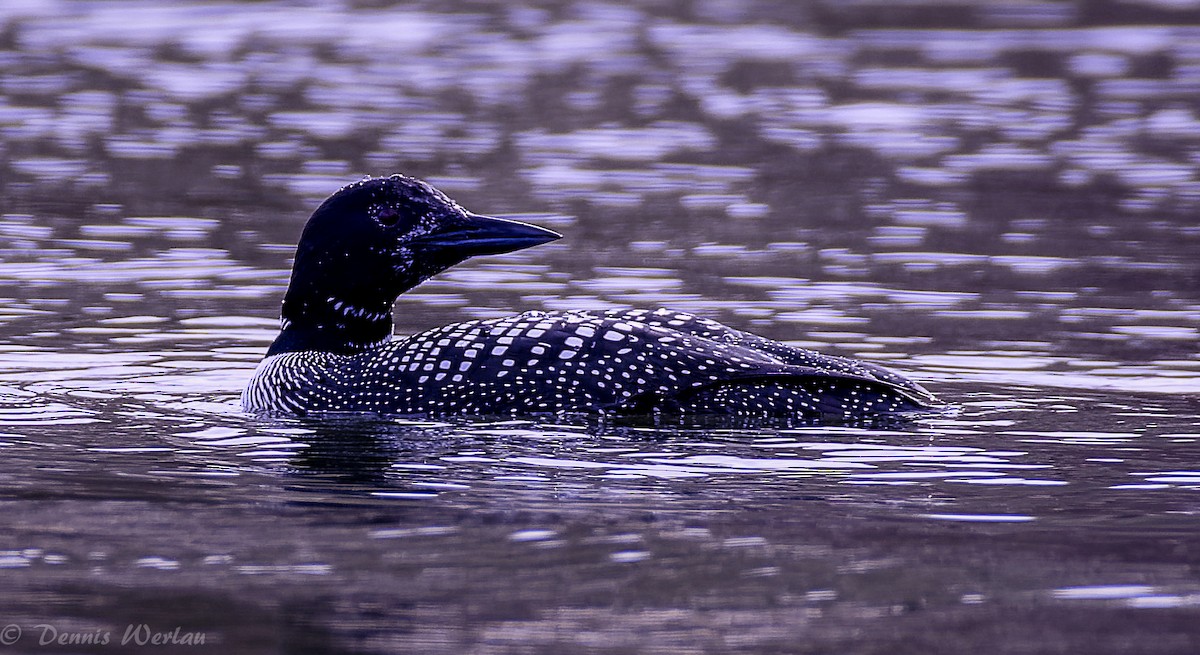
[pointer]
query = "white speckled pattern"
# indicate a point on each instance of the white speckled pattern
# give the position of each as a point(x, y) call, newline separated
point(624, 360)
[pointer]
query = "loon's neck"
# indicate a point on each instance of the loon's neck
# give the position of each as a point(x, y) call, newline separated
point(330, 324)
point(337, 303)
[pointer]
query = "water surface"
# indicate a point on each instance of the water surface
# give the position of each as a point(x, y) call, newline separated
point(999, 200)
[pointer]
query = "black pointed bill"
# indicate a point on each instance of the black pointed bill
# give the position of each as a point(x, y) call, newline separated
point(484, 235)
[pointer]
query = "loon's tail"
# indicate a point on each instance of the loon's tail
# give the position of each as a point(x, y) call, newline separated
point(815, 395)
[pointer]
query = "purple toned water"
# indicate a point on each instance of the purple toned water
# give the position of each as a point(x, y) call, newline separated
point(998, 199)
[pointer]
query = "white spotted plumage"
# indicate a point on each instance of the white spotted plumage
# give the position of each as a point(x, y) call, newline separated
point(629, 360)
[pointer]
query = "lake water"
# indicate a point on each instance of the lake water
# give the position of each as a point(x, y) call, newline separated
point(999, 199)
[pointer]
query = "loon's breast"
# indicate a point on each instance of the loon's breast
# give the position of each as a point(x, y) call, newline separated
point(621, 360)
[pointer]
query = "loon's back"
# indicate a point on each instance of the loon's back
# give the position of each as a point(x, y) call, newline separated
point(623, 361)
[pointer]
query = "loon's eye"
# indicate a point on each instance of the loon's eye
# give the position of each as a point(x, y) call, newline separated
point(387, 216)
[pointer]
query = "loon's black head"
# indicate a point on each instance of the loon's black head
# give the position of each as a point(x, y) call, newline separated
point(372, 241)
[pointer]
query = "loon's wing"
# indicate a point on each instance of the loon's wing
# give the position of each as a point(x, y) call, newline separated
point(538, 362)
point(819, 364)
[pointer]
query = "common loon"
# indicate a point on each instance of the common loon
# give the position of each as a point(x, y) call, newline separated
point(377, 238)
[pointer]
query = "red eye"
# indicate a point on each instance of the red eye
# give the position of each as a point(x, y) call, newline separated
point(387, 216)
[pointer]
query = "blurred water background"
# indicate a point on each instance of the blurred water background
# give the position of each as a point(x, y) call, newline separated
point(999, 198)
